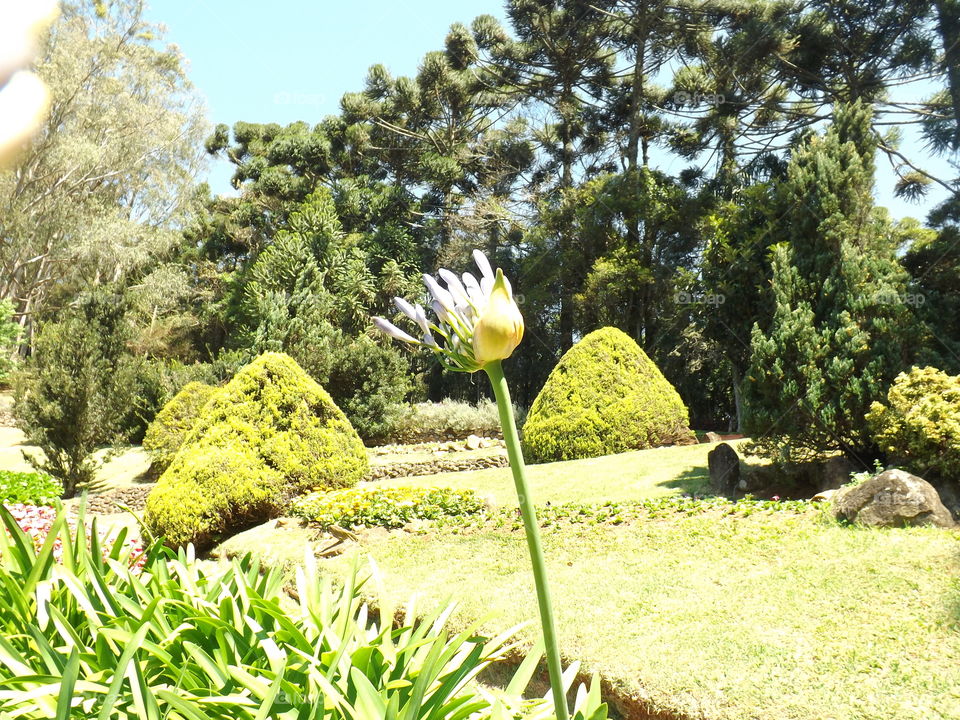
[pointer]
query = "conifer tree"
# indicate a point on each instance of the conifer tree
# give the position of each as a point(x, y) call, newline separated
point(841, 329)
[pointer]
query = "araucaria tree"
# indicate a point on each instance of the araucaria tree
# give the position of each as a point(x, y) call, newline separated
point(841, 327)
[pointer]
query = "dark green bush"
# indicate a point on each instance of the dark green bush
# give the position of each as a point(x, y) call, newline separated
point(390, 507)
point(919, 426)
point(604, 396)
point(28, 488)
point(77, 388)
point(270, 434)
point(170, 427)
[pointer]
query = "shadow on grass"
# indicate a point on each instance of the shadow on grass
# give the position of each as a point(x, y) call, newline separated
point(694, 481)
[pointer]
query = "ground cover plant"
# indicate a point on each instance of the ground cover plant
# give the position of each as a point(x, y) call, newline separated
point(31, 488)
point(179, 638)
point(389, 507)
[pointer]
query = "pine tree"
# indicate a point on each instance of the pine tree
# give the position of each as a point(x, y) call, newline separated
point(841, 330)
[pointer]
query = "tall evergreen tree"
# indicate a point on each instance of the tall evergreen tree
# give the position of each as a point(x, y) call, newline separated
point(841, 330)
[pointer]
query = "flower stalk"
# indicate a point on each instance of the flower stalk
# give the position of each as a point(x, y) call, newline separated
point(478, 325)
point(528, 512)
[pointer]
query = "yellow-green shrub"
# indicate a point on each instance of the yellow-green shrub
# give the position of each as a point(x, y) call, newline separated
point(389, 507)
point(604, 396)
point(169, 428)
point(919, 426)
point(270, 434)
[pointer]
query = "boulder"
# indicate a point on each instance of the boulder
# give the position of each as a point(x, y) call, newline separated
point(894, 498)
point(712, 437)
point(824, 496)
point(724, 465)
point(473, 442)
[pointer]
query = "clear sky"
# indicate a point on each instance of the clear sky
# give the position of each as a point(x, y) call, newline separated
point(289, 60)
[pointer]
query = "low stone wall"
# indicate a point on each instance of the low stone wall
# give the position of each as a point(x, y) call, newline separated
point(134, 498)
point(432, 467)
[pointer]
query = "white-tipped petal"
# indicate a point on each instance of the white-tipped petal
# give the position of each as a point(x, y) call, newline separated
point(428, 340)
point(393, 331)
point(405, 307)
point(421, 319)
point(456, 287)
point(483, 264)
point(486, 286)
point(441, 312)
point(439, 294)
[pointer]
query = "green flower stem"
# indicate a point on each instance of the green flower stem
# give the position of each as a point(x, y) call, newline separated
point(528, 511)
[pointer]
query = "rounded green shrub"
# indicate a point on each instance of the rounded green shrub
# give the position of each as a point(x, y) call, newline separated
point(271, 434)
point(169, 429)
point(919, 426)
point(604, 396)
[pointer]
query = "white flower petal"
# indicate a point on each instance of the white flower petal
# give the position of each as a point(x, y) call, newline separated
point(486, 286)
point(456, 287)
point(405, 307)
point(421, 319)
point(393, 331)
point(483, 264)
point(440, 295)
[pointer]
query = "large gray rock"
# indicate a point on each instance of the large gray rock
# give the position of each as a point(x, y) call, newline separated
point(724, 465)
point(893, 498)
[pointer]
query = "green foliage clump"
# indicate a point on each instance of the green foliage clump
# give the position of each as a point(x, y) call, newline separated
point(604, 396)
point(76, 390)
point(310, 294)
point(919, 426)
point(841, 328)
point(169, 429)
point(390, 507)
point(221, 642)
point(270, 434)
point(448, 418)
point(9, 336)
point(28, 488)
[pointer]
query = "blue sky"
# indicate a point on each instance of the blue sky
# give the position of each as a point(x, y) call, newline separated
point(291, 60)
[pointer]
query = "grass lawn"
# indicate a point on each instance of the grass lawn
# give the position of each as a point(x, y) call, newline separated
point(769, 615)
point(627, 476)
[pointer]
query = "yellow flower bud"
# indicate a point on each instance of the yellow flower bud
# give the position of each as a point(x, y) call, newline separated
point(499, 328)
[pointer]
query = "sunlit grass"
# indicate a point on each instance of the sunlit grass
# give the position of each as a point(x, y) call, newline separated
point(771, 615)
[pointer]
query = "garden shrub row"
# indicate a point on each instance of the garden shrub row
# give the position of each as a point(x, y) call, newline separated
point(444, 420)
point(385, 507)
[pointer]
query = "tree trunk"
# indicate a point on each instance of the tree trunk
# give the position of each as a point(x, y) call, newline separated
point(948, 16)
point(564, 240)
point(737, 397)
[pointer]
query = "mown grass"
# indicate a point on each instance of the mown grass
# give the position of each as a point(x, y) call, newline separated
point(771, 614)
point(642, 474)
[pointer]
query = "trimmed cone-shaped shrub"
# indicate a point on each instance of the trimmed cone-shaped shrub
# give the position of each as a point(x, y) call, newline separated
point(604, 396)
point(271, 434)
point(170, 427)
